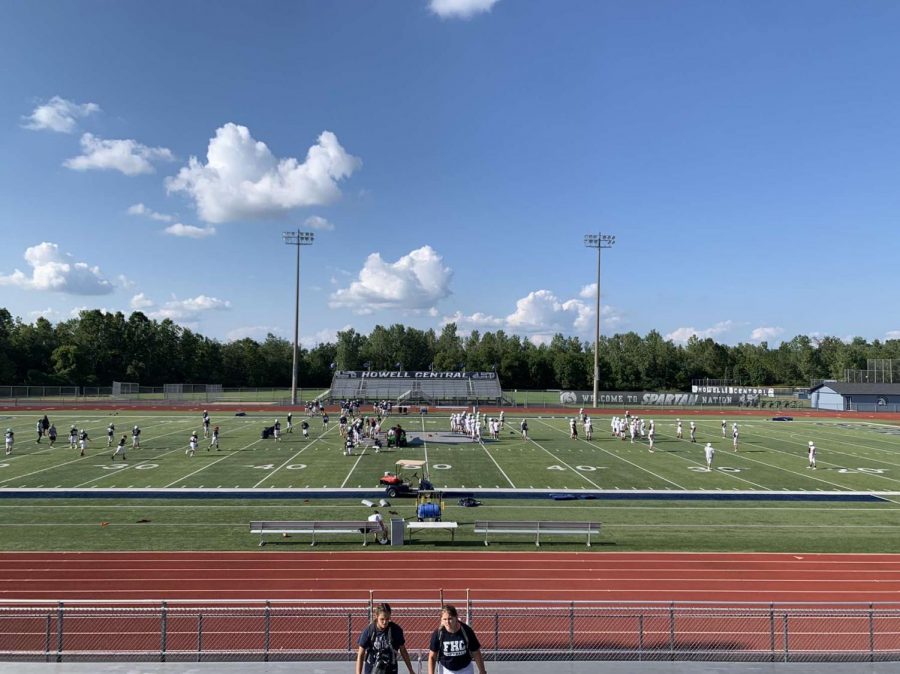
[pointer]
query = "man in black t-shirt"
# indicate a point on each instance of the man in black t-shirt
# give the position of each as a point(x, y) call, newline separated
point(454, 645)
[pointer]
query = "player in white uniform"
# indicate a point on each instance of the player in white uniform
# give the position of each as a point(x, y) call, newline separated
point(710, 452)
point(679, 431)
point(135, 437)
point(734, 435)
point(83, 441)
point(573, 429)
point(110, 432)
point(73, 437)
point(276, 430)
point(501, 420)
point(192, 444)
point(812, 455)
point(524, 427)
point(693, 432)
point(588, 429)
point(10, 438)
point(205, 424)
point(724, 428)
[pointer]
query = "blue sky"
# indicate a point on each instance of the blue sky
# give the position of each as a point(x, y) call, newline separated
point(450, 156)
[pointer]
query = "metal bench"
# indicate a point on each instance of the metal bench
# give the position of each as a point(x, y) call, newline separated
point(538, 528)
point(315, 527)
point(447, 526)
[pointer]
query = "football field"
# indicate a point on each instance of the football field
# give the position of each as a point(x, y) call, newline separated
point(771, 456)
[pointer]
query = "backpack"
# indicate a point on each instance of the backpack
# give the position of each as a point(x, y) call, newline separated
point(382, 660)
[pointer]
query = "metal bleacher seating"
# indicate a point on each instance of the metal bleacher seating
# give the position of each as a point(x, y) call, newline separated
point(470, 388)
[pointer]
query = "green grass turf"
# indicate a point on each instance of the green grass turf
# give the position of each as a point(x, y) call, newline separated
point(853, 456)
point(772, 457)
point(148, 524)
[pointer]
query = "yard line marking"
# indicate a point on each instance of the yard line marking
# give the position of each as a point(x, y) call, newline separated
point(286, 463)
point(425, 444)
point(66, 463)
point(831, 451)
point(497, 464)
point(620, 458)
point(199, 470)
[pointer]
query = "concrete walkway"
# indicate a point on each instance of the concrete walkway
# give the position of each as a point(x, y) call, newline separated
point(492, 667)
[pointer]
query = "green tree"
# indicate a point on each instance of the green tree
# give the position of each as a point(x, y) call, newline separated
point(448, 350)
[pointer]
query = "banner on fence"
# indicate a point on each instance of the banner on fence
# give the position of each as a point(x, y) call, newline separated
point(644, 398)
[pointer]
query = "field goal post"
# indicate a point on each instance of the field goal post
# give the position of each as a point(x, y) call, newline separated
point(125, 390)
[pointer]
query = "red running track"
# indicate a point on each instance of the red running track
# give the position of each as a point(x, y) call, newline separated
point(595, 576)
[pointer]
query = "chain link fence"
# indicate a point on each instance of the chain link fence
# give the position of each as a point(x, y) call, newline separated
point(508, 631)
point(186, 394)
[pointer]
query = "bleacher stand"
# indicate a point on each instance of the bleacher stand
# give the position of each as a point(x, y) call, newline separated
point(408, 388)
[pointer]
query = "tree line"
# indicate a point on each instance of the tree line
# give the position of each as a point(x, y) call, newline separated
point(97, 348)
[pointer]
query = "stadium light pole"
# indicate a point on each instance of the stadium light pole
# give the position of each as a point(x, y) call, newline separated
point(297, 239)
point(598, 241)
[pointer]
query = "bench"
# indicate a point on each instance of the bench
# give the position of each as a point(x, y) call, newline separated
point(447, 526)
point(538, 528)
point(315, 527)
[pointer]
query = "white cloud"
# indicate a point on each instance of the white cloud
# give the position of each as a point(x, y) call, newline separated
point(57, 272)
point(765, 334)
point(540, 315)
point(243, 180)
point(257, 333)
point(682, 335)
point(460, 9)
point(892, 334)
point(477, 321)
point(588, 292)
point(124, 282)
point(191, 231)
point(42, 313)
point(318, 222)
point(125, 155)
point(140, 209)
point(140, 302)
point(414, 282)
point(76, 311)
point(189, 310)
point(58, 114)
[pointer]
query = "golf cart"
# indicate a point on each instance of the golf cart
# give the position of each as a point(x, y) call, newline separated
point(399, 483)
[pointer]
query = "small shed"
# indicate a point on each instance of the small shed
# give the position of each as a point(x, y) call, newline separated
point(846, 396)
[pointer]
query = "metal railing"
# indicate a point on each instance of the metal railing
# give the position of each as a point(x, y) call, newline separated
point(520, 631)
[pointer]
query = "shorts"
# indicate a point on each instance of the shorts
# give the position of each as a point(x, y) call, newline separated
point(468, 669)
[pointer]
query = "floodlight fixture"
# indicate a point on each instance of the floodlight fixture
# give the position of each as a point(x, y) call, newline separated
point(297, 239)
point(598, 241)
